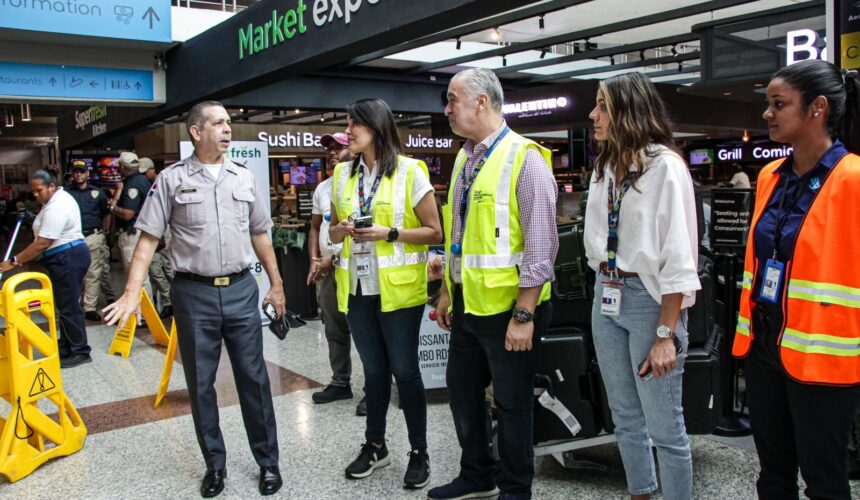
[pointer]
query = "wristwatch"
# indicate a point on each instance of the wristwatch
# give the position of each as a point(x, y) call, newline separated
point(393, 234)
point(522, 315)
point(664, 332)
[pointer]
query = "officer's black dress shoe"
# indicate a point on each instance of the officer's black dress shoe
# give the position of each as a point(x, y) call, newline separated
point(213, 483)
point(270, 480)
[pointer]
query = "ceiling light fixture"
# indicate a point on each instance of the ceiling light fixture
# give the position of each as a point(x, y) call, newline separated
point(504, 61)
point(543, 52)
point(496, 34)
point(674, 51)
point(459, 43)
point(25, 112)
point(680, 67)
point(612, 60)
point(541, 23)
point(10, 120)
point(642, 55)
point(297, 111)
point(322, 118)
point(746, 136)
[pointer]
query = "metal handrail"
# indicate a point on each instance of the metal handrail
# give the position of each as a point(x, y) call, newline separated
point(224, 5)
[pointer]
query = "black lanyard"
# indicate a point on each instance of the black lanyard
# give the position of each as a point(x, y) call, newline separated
point(614, 208)
point(364, 206)
point(467, 183)
point(781, 218)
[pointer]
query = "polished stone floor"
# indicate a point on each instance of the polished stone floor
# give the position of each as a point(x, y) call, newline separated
point(135, 451)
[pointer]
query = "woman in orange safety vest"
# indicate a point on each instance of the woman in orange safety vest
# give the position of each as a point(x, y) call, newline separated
point(799, 322)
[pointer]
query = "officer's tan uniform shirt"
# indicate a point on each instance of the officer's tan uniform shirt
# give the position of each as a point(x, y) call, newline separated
point(210, 220)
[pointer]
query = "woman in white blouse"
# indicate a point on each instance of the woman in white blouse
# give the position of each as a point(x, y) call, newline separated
point(641, 239)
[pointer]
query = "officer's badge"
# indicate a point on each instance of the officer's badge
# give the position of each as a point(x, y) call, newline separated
point(133, 192)
point(94, 193)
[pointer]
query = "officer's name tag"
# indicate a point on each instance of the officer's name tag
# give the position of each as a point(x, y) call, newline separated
point(772, 279)
point(362, 266)
point(188, 190)
point(456, 269)
point(610, 303)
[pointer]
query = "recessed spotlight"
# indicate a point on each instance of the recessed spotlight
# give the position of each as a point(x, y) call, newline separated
point(541, 24)
point(496, 34)
point(758, 85)
point(459, 43)
point(728, 92)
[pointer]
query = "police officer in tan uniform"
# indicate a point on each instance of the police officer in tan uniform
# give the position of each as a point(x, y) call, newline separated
point(218, 221)
point(159, 271)
point(134, 189)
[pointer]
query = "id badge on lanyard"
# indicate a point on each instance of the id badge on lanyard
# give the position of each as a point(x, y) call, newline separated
point(456, 269)
point(610, 302)
point(362, 266)
point(773, 273)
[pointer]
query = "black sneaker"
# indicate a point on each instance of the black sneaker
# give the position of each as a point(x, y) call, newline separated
point(92, 316)
point(370, 459)
point(361, 408)
point(418, 471)
point(75, 360)
point(332, 393)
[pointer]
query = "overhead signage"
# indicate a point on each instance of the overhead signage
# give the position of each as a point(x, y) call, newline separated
point(143, 20)
point(75, 82)
point(286, 24)
point(803, 41)
point(731, 211)
point(848, 33)
point(310, 140)
point(751, 152)
point(254, 156)
point(421, 142)
point(537, 107)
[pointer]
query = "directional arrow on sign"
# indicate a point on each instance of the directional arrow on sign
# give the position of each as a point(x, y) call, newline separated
point(150, 12)
point(52, 81)
point(137, 85)
point(94, 83)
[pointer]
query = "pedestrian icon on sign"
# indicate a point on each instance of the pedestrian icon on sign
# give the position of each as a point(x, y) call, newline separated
point(123, 13)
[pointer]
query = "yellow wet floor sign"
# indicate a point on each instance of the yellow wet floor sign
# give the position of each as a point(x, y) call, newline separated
point(124, 337)
point(169, 356)
point(29, 373)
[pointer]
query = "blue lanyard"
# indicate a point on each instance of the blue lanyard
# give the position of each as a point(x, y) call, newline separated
point(365, 206)
point(456, 247)
point(614, 206)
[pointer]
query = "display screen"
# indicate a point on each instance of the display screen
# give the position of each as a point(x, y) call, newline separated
point(104, 169)
point(300, 172)
point(701, 156)
point(434, 164)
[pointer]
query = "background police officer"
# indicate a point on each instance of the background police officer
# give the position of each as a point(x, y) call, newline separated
point(94, 217)
point(159, 271)
point(135, 187)
point(218, 221)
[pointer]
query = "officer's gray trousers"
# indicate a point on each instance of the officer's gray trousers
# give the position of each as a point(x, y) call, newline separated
point(205, 315)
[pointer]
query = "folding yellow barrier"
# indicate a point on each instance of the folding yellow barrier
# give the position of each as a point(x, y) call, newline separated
point(123, 337)
point(30, 373)
point(167, 370)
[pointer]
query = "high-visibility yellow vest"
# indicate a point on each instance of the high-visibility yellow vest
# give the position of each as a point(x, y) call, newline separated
point(820, 339)
point(493, 244)
point(402, 266)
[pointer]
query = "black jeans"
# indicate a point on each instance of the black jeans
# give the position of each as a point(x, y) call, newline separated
point(795, 424)
point(477, 356)
point(387, 343)
point(67, 270)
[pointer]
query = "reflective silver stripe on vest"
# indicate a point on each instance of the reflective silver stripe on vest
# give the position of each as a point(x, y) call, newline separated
point(492, 261)
point(503, 202)
point(343, 263)
point(389, 261)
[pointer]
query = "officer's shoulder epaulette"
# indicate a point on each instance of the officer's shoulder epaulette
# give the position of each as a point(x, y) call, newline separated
point(180, 163)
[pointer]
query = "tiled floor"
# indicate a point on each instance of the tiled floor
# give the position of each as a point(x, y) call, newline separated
point(135, 451)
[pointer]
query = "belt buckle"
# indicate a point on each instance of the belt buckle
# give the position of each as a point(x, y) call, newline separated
point(222, 281)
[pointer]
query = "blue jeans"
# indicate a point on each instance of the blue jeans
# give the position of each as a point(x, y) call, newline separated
point(67, 270)
point(387, 343)
point(476, 357)
point(643, 410)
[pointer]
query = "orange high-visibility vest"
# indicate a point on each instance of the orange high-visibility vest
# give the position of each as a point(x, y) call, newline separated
point(820, 338)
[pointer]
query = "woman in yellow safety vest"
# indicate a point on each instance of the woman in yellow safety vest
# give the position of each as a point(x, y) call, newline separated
point(799, 321)
point(384, 212)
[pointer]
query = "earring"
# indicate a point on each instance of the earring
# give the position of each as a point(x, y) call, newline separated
point(816, 113)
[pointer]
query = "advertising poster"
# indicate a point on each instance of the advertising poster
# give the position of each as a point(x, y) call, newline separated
point(432, 352)
point(731, 214)
point(253, 155)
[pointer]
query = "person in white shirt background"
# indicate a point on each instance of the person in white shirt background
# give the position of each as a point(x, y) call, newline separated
point(322, 254)
point(645, 252)
point(740, 179)
point(59, 247)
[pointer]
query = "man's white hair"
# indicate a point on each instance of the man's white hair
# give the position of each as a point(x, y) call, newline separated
point(477, 81)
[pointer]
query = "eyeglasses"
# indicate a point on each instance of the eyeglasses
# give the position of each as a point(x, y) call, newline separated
point(336, 149)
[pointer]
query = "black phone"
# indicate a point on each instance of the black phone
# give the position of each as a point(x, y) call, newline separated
point(650, 374)
point(362, 222)
point(278, 326)
point(270, 311)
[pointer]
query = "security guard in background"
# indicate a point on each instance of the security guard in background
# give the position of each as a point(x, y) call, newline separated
point(218, 222)
point(93, 203)
point(135, 187)
point(159, 271)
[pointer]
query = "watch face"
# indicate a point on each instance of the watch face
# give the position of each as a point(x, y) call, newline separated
point(663, 331)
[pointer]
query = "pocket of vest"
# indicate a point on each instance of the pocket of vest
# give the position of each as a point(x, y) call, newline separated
point(402, 277)
point(498, 280)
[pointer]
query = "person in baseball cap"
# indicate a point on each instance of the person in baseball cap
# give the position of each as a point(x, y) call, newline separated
point(129, 161)
point(335, 146)
point(147, 168)
point(79, 165)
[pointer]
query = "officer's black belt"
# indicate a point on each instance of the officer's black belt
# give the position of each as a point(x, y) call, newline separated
point(212, 280)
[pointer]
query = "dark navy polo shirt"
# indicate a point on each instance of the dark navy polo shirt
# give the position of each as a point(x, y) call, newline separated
point(135, 187)
point(93, 203)
point(799, 194)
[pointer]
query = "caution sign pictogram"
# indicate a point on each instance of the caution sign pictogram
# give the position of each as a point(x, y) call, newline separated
point(41, 383)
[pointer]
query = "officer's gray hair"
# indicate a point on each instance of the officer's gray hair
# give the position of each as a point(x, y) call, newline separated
point(46, 177)
point(479, 81)
point(197, 115)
